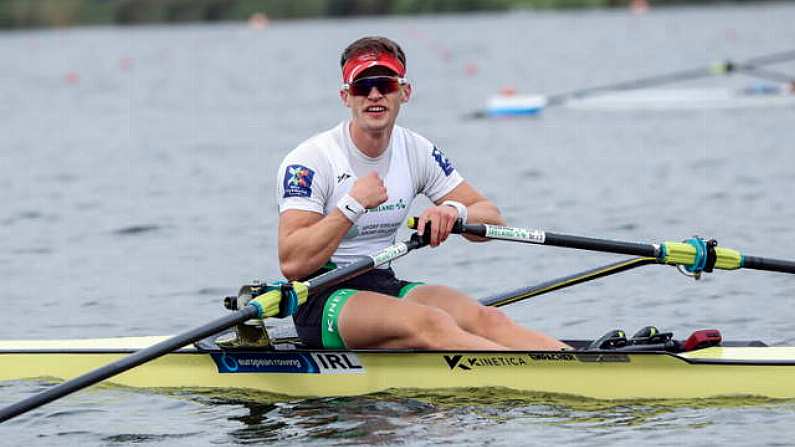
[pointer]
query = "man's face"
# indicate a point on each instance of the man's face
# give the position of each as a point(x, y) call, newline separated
point(377, 110)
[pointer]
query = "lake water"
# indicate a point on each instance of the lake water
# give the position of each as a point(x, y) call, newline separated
point(137, 170)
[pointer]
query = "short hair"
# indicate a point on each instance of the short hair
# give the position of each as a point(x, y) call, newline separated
point(372, 44)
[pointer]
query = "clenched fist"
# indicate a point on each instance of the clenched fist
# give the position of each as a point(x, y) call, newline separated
point(369, 190)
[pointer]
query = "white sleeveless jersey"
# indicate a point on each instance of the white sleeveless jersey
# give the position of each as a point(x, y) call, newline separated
point(316, 174)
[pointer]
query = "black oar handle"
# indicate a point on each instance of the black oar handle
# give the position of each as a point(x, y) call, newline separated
point(554, 239)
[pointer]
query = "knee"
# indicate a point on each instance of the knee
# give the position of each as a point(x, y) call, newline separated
point(431, 329)
point(492, 317)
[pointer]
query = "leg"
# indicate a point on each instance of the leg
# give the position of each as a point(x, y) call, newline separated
point(373, 320)
point(487, 322)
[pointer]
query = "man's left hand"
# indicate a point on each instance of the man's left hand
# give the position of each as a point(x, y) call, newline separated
point(442, 219)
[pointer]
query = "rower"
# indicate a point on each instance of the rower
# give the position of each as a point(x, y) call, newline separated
point(345, 192)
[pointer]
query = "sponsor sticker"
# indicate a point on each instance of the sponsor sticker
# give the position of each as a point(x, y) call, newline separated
point(390, 253)
point(515, 234)
point(287, 362)
point(552, 356)
point(263, 362)
point(607, 357)
point(468, 363)
point(442, 161)
point(298, 181)
point(338, 363)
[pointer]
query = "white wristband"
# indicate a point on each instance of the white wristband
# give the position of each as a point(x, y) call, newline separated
point(460, 207)
point(350, 208)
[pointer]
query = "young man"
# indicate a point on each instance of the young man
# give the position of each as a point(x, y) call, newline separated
point(345, 192)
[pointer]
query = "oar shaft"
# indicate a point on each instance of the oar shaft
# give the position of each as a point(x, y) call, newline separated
point(126, 363)
point(767, 264)
point(603, 245)
point(774, 58)
point(630, 85)
point(557, 239)
point(727, 67)
point(524, 293)
point(334, 277)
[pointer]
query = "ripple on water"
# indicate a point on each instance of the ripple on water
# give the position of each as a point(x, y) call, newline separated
point(136, 229)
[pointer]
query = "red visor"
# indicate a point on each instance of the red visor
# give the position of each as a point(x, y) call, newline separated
point(356, 65)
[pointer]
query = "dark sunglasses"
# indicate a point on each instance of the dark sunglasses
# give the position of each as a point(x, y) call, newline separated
point(384, 84)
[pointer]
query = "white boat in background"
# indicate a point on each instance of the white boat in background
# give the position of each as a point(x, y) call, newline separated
point(515, 105)
point(649, 99)
point(685, 99)
point(776, 89)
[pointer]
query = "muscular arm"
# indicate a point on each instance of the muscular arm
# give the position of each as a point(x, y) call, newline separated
point(308, 239)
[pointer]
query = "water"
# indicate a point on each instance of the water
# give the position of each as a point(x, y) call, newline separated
point(138, 168)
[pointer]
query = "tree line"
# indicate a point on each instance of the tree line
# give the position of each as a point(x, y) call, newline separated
point(45, 13)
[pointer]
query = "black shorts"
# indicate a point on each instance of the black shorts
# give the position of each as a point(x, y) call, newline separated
point(310, 321)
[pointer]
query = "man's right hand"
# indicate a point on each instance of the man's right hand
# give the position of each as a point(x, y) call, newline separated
point(369, 190)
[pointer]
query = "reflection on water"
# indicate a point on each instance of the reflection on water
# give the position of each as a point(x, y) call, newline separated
point(422, 417)
point(395, 416)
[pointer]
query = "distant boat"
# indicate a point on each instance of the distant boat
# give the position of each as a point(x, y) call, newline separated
point(686, 99)
point(515, 105)
point(766, 95)
point(778, 89)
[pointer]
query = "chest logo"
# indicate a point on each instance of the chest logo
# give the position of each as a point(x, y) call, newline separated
point(342, 177)
point(399, 205)
point(298, 181)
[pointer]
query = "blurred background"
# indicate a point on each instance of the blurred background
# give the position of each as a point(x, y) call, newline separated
point(139, 143)
point(26, 13)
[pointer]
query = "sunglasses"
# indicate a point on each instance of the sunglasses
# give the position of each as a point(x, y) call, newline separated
point(384, 84)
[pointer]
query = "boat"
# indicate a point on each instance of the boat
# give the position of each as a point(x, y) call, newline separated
point(506, 105)
point(728, 369)
point(649, 99)
point(777, 89)
point(687, 99)
point(648, 365)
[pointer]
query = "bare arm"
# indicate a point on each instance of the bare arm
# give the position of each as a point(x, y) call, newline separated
point(308, 239)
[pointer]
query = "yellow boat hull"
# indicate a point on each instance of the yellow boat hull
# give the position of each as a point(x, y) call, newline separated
point(711, 372)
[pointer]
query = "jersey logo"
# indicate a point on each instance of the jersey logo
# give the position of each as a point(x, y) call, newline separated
point(442, 161)
point(342, 177)
point(298, 181)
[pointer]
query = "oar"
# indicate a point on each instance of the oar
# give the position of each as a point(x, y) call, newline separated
point(723, 68)
point(505, 298)
point(769, 75)
point(280, 301)
point(695, 254)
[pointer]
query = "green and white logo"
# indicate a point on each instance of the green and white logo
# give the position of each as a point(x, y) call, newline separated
point(400, 205)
